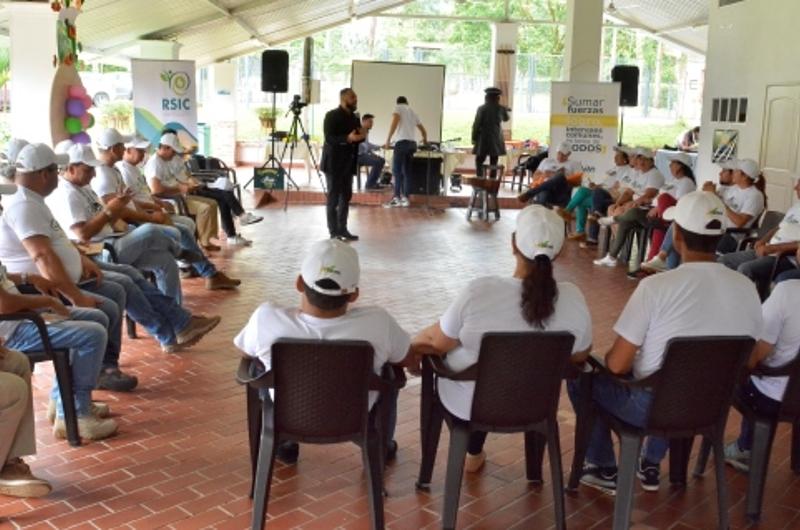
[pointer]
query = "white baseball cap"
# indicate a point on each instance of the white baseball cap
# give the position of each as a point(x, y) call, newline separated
point(13, 147)
point(728, 165)
point(63, 146)
point(83, 154)
point(34, 157)
point(111, 137)
point(540, 232)
point(137, 142)
point(624, 149)
point(683, 158)
point(645, 152)
point(749, 167)
point(333, 260)
point(171, 140)
point(564, 148)
point(696, 210)
point(548, 164)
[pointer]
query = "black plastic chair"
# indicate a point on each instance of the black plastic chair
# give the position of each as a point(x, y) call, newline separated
point(321, 397)
point(208, 169)
point(512, 369)
point(63, 369)
point(692, 393)
point(767, 222)
point(764, 434)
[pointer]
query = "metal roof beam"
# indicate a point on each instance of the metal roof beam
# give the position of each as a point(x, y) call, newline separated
point(245, 25)
point(635, 24)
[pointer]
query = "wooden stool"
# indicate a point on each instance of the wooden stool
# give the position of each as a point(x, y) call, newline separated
point(484, 189)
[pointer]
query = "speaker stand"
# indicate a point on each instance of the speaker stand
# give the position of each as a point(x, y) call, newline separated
point(272, 161)
point(621, 124)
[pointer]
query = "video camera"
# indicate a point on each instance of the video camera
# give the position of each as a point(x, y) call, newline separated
point(297, 105)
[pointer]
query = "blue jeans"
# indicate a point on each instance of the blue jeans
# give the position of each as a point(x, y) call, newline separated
point(673, 258)
point(629, 405)
point(159, 314)
point(793, 274)
point(85, 336)
point(149, 248)
point(401, 166)
point(112, 302)
point(184, 234)
point(375, 164)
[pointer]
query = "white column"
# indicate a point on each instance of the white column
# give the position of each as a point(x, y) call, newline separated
point(32, 31)
point(504, 65)
point(584, 40)
point(220, 112)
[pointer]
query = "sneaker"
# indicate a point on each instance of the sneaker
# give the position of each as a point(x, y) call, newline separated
point(188, 272)
point(116, 381)
point(600, 478)
point(736, 458)
point(288, 452)
point(89, 427)
point(606, 221)
point(577, 236)
point(404, 202)
point(588, 243)
point(394, 203)
point(98, 410)
point(220, 280)
point(197, 328)
point(607, 261)
point(473, 463)
point(239, 241)
point(16, 480)
point(656, 264)
point(347, 236)
point(248, 219)
point(649, 474)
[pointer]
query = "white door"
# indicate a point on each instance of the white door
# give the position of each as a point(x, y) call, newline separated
point(781, 144)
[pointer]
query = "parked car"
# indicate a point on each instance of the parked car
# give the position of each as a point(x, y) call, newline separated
point(108, 86)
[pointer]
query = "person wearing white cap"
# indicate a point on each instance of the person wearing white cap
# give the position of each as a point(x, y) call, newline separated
point(645, 189)
point(529, 299)
point(699, 298)
point(767, 256)
point(549, 185)
point(8, 157)
point(563, 154)
point(186, 227)
point(328, 284)
point(725, 180)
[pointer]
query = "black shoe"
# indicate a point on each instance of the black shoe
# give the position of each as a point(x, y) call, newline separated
point(190, 256)
point(116, 381)
point(334, 236)
point(648, 474)
point(288, 452)
point(391, 451)
point(600, 478)
point(347, 236)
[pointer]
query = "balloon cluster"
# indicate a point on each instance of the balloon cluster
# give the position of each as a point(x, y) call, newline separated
point(78, 119)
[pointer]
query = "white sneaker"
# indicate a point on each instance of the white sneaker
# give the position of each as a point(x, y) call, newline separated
point(394, 203)
point(606, 221)
point(239, 241)
point(98, 410)
point(404, 202)
point(656, 264)
point(607, 261)
point(247, 219)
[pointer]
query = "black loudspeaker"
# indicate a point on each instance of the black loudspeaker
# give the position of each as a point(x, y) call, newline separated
point(419, 180)
point(275, 71)
point(628, 77)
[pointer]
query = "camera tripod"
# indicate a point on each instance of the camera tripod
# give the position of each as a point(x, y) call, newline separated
point(291, 144)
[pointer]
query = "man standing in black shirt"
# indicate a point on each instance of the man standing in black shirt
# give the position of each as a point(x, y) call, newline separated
point(343, 133)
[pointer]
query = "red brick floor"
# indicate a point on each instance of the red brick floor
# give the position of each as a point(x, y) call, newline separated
point(180, 459)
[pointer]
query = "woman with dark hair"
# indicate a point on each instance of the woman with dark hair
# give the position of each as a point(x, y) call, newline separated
point(487, 133)
point(531, 299)
point(681, 183)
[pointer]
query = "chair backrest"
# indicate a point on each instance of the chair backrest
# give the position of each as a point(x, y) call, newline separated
point(519, 379)
point(790, 407)
point(695, 385)
point(321, 388)
point(769, 222)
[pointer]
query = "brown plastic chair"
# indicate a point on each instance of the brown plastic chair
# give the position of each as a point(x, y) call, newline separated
point(321, 397)
point(512, 369)
point(764, 434)
point(692, 393)
point(63, 369)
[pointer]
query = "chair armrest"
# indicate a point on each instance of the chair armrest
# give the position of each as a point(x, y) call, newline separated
point(38, 322)
point(776, 371)
point(244, 374)
point(394, 375)
point(600, 367)
point(441, 370)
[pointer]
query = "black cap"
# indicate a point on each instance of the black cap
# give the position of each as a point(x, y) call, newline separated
point(493, 91)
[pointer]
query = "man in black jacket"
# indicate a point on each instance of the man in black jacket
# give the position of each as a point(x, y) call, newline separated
point(343, 133)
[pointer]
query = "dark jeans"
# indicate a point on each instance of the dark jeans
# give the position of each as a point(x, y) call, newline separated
point(758, 269)
point(340, 191)
point(401, 166)
point(601, 200)
point(480, 159)
point(229, 206)
point(375, 164)
point(792, 274)
point(633, 219)
point(761, 404)
point(553, 191)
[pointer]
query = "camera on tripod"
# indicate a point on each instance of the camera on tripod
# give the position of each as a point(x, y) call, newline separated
point(297, 105)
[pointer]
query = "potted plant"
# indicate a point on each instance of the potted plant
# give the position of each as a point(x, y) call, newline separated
point(267, 117)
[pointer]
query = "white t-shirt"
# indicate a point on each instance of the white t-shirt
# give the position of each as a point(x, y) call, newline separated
point(492, 304)
point(748, 201)
point(164, 170)
point(570, 167)
point(615, 175)
point(7, 327)
point(725, 192)
point(678, 187)
point(73, 205)
point(134, 179)
point(407, 128)
point(781, 328)
point(26, 215)
point(789, 229)
point(628, 179)
point(270, 322)
point(107, 181)
point(647, 180)
point(697, 298)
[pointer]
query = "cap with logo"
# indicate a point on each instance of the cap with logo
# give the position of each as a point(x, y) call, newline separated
point(697, 212)
point(749, 167)
point(645, 152)
point(331, 260)
point(564, 148)
point(171, 140)
point(540, 232)
point(137, 142)
point(83, 154)
point(35, 157)
point(111, 137)
point(13, 147)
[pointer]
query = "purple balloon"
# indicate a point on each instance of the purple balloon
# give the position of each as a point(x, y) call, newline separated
point(81, 138)
point(75, 107)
